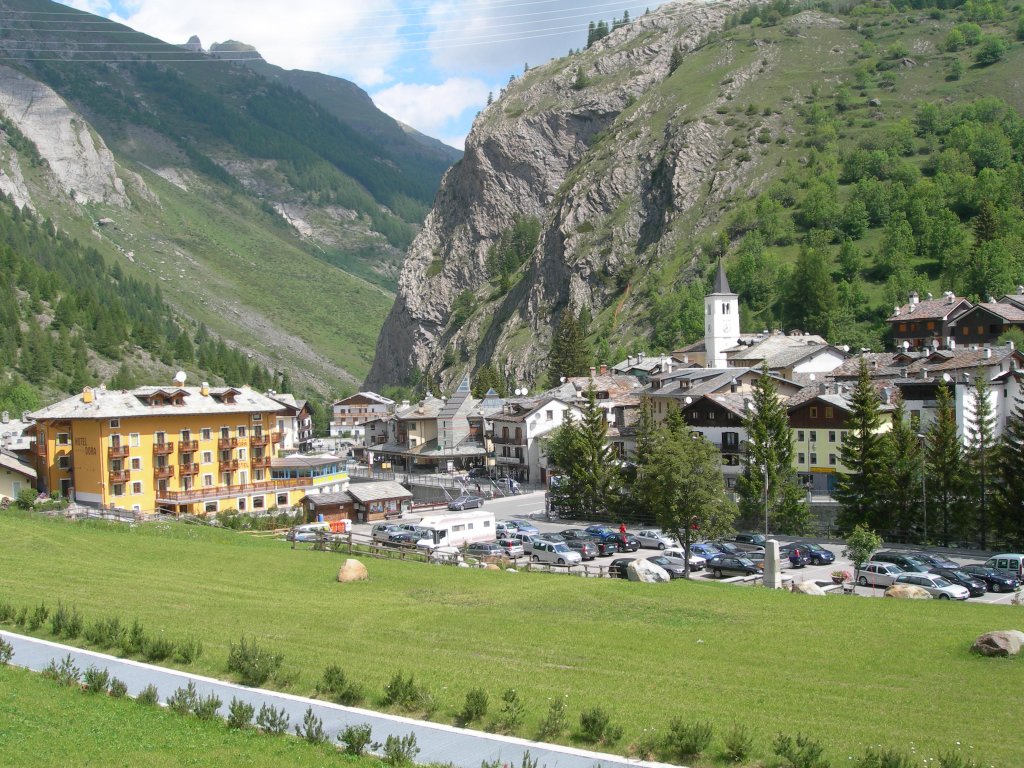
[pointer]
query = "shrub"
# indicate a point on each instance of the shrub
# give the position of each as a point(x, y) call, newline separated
point(118, 688)
point(593, 723)
point(7, 612)
point(65, 622)
point(312, 728)
point(511, 715)
point(738, 743)
point(253, 664)
point(184, 700)
point(207, 707)
point(157, 648)
point(475, 706)
point(6, 652)
point(553, 724)
point(106, 633)
point(401, 692)
point(66, 673)
point(400, 751)
point(956, 760)
point(96, 680)
point(885, 758)
point(134, 640)
point(38, 617)
point(240, 714)
point(338, 688)
point(802, 752)
point(528, 762)
point(356, 738)
point(688, 739)
point(188, 650)
point(272, 720)
point(148, 696)
point(991, 50)
point(22, 616)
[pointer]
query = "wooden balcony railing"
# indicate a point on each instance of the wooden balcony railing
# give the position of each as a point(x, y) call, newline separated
point(163, 449)
point(261, 461)
point(231, 465)
point(188, 446)
point(117, 452)
point(223, 491)
point(120, 476)
point(276, 437)
point(163, 472)
point(188, 469)
point(257, 440)
point(227, 442)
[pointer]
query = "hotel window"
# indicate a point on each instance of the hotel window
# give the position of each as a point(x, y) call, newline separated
point(549, 415)
point(117, 489)
point(242, 454)
point(965, 331)
point(831, 436)
point(136, 463)
point(207, 480)
point(257, 502)
point(257, 417)
point(903, 327)
point(186, 435)
point(211, 506)
point(160, 437)
point(207, 457)
point(64, 462)
point(814, 436)
point(931, 325)
point(257, 475)
point(800, 435)
point(136, 489)
point(241, 431)
point(63, 438)
point(206, 433)
point(832, 459)
point(981, 330)
point(814, 458)
point(282, 499)
point(241, 505)
point(225, 432)
point(115, 423)
point(800, 458)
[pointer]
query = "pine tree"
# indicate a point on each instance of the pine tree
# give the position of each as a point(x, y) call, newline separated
point(858, 488)
point(945, 466)
point(770, 451)
point(902, 478)
point(675, 60)
point(487, 378)
point(640, 493)
point(596, 469)
point(1008, 490)
point(981, 442)
point(568, 356)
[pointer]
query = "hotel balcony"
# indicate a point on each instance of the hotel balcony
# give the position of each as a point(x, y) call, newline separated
point(163, 472)
point(117, 452)
point(188, 446)
point(120, 476)
point(163, 449)
point(258, 440)
point(231, 465)
point(229, 491)
point(225, 443)
point(261, 461)
point(276, 437)
point(188, 469)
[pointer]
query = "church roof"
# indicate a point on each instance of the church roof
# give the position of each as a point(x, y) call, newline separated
point(721, 281)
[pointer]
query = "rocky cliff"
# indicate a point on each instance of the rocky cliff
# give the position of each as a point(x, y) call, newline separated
point(597, 146)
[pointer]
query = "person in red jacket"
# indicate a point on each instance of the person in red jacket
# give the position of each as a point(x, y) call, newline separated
point(622, 527)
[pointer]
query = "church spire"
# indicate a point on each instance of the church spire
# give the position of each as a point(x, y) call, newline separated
point(721, 281)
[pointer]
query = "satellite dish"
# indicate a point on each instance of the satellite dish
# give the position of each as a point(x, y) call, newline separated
point(906, 345)
point(946, 378)
point(179, 378)
point(525, 391)
point(688, 400)
point(813, 376)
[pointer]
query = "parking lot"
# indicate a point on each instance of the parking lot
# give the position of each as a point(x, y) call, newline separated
point(530, 507)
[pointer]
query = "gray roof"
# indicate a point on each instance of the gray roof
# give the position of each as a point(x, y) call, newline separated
point(124, 404)
point(378, 490)
point(13, 463)
point(304, 460)
point(721, 281)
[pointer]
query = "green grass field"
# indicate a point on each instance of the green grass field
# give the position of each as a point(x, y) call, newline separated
point(849, 672)
point(45, 725)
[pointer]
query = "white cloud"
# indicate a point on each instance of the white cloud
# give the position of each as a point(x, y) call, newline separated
point(431, 109)
point(357, 38)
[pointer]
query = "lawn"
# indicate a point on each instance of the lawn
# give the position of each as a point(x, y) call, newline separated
point(42, 724)
point(849, 672)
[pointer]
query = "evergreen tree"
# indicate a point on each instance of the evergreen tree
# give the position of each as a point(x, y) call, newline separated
point(581, 452)
point(902, 478)
point(770, 452)
point(811, 298)
point(1008, 477)
point(487, 378)
point(858, 489)
point(568, 355)
point(945, 466)
point(981, 444)
point(640, 493)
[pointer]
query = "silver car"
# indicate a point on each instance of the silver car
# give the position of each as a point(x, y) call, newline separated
point(655, 539)
point(512, 548)
point(697, 562)
point(934, 585)
point(878, 574)
point(555, 553)
point(382, 531)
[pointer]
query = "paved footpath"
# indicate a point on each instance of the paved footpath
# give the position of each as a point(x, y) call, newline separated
point(437, 742)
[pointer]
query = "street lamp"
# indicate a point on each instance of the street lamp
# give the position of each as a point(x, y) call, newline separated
point(924, 490)
point(764, 472)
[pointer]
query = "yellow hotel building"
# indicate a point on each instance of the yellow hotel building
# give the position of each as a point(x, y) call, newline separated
point(195, 450)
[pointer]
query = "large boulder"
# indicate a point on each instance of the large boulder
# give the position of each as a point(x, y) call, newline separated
point(908, 592)
point(1004, 643)
point(352, 570)
point(645, 570)
point(807, 588)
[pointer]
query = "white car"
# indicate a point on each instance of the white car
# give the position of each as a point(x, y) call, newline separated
point(878, 574)
point(697, 562)
point(656, 539)
point(935, 585)
point(554, 553)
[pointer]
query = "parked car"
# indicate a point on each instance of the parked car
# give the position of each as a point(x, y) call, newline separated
point(381, 531)
point(484, 549)
point(996, 581)
point(525, 527)
point(975, 586)
point(598, 530)
point(511, 548)
point(604, 546)
point(619, 568)
point(467, 501)
point(748, 542)
point(586, 547)
point(878, 574)
point(674, 566)
point(816, 554)
point(705, 549)
point(936, 586)
point(697, 562)
point(554, 553)
point(934, 560)
point(1008, 563)
point(527, 540)
point(506, 529)
point(608, 541)
point(575, 533)
point(729, 548)
point(906, 562)
point(402, 539)
point(720, 565)
point(803, 556)
point(655, 538)
point(627, 542)
point(477, 472)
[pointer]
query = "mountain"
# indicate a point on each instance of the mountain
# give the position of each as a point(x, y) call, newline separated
point(835, 159)
point(267, 217)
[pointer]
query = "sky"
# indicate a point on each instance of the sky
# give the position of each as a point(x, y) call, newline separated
point(429, 63)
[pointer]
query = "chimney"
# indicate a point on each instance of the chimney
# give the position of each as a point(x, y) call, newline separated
point(822, 388)
point(24, 415)
point(910, 307)
point(593, 371)
point(896, 311)
point(405, 403)
point(1010, 345)
point(669, 365)
point(87, 395)
point(929, 296)
point(988, 353)
point(913, 298)
point(629, 360)
point(604, 369)
point(5, 417)
point(204, 390)
point(950, 298)
point(952, 345)
point(686, 359)
point(1020, 290)
point(924, 373)
point(639, 357)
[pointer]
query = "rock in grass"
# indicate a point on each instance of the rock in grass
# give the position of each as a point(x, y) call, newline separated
point(908, 592)
point(1005, 643)
point(807, 588)
point(352, 570)
point(644, 570)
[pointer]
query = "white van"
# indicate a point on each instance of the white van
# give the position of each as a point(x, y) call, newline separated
point(1010, 564)
point(554, 553)
point(456, 529)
